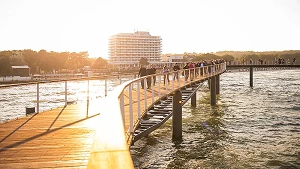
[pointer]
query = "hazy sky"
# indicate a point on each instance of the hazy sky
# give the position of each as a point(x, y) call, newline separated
point(185, 26)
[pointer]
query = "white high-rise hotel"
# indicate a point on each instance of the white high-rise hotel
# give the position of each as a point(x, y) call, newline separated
point(126, 49)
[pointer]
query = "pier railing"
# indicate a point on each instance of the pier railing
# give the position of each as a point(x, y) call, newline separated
point(123, 109)
point(136, 96)
point(256, 62)
point(20, 99)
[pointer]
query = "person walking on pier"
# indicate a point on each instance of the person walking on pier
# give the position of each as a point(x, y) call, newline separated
point(153, 71)
point(142, 72)
point(192, 70)
point(149, 79)
point(176, 69)
point(294, 61)
point(186, 71)
point(166, 74)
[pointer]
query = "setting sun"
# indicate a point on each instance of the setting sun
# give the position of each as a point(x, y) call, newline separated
point(185, 26)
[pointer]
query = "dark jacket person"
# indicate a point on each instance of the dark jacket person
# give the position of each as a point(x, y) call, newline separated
point(142, 72)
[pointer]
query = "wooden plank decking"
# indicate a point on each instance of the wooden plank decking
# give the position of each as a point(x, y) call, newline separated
point(59, 138)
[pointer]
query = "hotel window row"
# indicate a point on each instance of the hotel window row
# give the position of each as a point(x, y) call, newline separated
point(129, 48)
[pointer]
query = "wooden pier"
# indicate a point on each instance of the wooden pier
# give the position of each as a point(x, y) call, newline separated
point(66, 137)
point(59, 138)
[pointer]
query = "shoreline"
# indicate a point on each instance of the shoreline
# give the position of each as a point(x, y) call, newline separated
point(28, 82)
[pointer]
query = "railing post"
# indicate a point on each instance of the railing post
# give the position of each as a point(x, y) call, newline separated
point(221, 67)
point(66, 93)
point(190, 75)
point(139, 98)
point(159, 81)
point(194, 73)
point(145, 93)
point(214, 69)
point(37, 97)
point(88, 98)
point(184, 77)
point(167, 86)
point(178, 79)
point(152, 89)
point(122, 107)
point(173, 79)
point(207, 72)
point(130, 110)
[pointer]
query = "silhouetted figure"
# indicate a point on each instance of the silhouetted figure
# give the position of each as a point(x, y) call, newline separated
point(166, 74)
point(153, 71)
point(142, 72)
point(176, 69)
point(149, 79)
point(186, 71)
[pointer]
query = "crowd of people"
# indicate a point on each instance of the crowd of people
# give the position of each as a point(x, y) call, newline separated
point(277, 61)
point(280, 61)
point(188, 71)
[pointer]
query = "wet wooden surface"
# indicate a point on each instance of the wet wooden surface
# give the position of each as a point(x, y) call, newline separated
point(59, 138)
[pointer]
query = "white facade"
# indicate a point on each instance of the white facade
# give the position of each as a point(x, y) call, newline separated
point(172, 59)
point(129, 48)
point(14, 78)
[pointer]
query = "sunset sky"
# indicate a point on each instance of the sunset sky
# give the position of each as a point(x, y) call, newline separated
point(185, 26)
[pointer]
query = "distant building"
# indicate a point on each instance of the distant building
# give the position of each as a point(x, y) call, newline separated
point(126, 49)
point(172, 59)
point(22, 71)
point(86, 68)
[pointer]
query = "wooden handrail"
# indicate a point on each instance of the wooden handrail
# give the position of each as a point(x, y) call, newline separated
point(110, 148)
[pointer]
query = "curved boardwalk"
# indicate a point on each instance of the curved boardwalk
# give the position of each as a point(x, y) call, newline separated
point(63, 138)
point(60, 138)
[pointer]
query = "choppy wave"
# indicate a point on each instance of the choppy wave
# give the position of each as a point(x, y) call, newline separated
point(250, 128)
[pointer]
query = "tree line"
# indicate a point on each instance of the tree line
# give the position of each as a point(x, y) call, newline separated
point(244, 55)
point(72, 61)
point(47, 61)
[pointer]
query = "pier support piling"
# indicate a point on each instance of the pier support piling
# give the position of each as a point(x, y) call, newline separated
point(177, 116)
point(251, 76)
point(213, 90)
